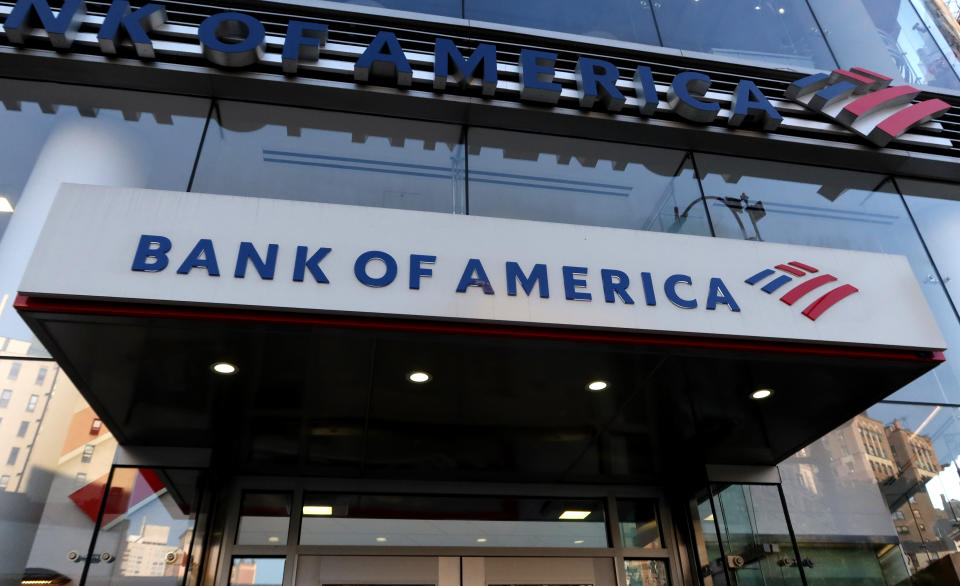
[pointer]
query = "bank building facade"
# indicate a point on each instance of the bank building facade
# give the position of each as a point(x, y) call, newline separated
point(479, 293)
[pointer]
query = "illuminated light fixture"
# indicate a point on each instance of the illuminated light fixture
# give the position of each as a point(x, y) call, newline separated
point(418, 376)
point(708, 517)
point(317, 510)
point(481, 540)
point(756, 7)
point(35, 581)
point(781, 11)
point(223, 368)
point(7, 208)
point(273, 539)
point(761, 394)
point(574, 515)
point(597, 386)
point(577, 541)
point(381, 539)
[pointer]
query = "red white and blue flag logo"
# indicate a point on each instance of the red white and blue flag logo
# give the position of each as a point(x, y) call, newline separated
point(865, 102)
point(809, 282)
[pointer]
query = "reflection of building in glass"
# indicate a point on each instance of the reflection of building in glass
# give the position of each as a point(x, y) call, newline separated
point(864, 453)
point(145, 552)
point(244, 572)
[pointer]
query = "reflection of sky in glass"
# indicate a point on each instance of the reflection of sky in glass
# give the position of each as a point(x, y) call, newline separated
point(947, 484)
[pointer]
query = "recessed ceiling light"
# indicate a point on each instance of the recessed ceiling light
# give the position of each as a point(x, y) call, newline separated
point(567, 515)
point(781, 11)
point(273, 539)
point(577, 541)
point(418, 376)
point(317, 510)
point(223, 368)
point(597, 385)
point(708, 517)
point(761, 393)
point(5, 206)
point(756, 8)
point(481, 540)
point(381, 539)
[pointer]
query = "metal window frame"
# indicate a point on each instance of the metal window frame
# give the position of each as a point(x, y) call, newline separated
point(617, 553)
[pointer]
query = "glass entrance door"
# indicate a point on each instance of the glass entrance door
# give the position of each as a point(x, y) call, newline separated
point(336, 570)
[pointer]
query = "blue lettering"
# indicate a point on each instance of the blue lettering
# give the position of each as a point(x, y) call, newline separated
point(232, 39)
point(670, 288)
point(384, 57)
point(597, 80)
point(538, 276)
point(612, 288)
point(360, 268)
point(648, 294)
point(248, 253)
point(61, 29)
point(155, 247)
point(417, 271)
point(474, 276)
point(303, 264)
point(536, 76)
point(749, 101)
point(137, 23)
point(446, 54)
point(647, 99)
point(201, 257)
point(684, 93)
point(570, 284)
point(303, 41)
point(720, 294)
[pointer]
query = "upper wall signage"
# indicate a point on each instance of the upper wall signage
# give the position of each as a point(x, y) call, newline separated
point(236, 40)
point(186, 248)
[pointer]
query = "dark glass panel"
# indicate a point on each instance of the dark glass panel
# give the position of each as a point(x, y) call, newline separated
point(781, 32)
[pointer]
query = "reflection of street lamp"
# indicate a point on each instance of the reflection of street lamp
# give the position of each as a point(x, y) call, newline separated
point(5, 206)
point(755, 211)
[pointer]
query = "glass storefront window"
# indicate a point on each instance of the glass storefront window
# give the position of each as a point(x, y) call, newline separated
point(257, 571)
point(879, 497)
point(886, 36)
point(552, 179)
point(782, 33)
point(330, 157)
point(646, 573)
point(816, 206)
point(621, 20)
point(52, 494)
point(936, 210)
point(147, 527)
point(56, 133)
point(264, 518)
point(396, 520)
point(639, 526)
point(943, 21)
point(450, 8)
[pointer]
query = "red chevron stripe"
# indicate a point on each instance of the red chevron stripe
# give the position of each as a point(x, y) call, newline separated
point(800, 265)
point(791, 270)
point(854, 77)
point(794, 295)
point(872, 74)
point(896, 124)
point(879, 98)
point(816, 309)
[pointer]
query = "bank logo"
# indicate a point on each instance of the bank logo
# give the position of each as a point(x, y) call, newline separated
point(865, 102)
point(794, 270)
